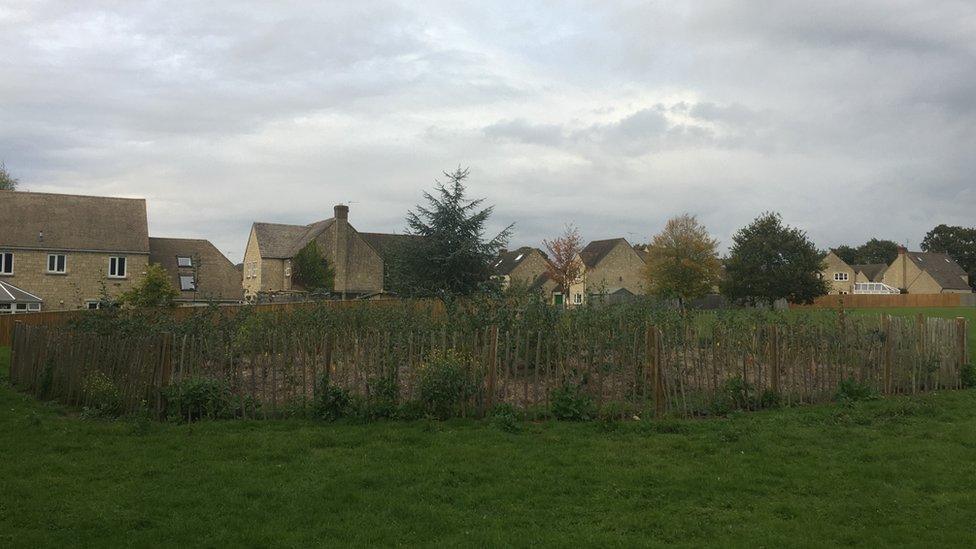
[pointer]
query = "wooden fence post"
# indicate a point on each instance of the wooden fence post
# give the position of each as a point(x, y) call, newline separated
point(16, 336)
point(165, 371)
point(492, 365)
point(774, 358)
point(962, 334)
point(654, 367)
point(886, 353)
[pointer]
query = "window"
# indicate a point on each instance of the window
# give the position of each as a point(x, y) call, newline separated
point(577, 299)
point(56, 263)
point(116, 267)
point(187, 284)
point(841, 277)
point(184, 261)
point(92, 305)
point(6, 263)
point(4, 308)
point(21, 307)
point(33, 306)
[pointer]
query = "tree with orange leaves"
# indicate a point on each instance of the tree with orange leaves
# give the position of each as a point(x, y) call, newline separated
point(682, 260)
point(564, 266)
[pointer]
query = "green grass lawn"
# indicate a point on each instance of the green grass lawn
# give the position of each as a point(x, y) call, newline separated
point(877, 473)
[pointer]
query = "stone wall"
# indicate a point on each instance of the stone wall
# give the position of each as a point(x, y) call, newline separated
point(86, 272)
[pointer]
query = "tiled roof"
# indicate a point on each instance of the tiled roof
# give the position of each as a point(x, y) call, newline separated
point(215, 276)
point(595, 251)
point(386, 243)
point(942, 268)
point(506, 261)
point(73, 222)
point(279, 241)
point(874, 271)
point(12, 294)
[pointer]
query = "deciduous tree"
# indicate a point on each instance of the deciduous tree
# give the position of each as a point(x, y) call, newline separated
point(155, 290)
point(7, 181)
point(564, 266)
point(770, 261)
point(682, 260)
point(310, 270)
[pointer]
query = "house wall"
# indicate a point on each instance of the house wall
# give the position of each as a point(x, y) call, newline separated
point(621, 268)
point(252, 284)
point(904, 274)
point(358, 267)
point(531, 267)
point(835, 266)
point(86, 272)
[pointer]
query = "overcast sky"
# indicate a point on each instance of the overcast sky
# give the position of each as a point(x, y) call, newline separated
point(852, 119)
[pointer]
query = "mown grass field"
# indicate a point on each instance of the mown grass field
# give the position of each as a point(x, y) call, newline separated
point(872, 473)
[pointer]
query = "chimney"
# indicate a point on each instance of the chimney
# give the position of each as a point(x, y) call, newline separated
point(341, 249)
point(902, 255)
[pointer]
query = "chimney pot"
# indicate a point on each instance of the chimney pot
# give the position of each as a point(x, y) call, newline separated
point(341, 211)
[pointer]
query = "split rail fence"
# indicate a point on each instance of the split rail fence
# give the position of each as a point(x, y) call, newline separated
point(678, 371)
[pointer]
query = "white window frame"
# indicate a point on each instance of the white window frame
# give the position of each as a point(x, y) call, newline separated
point(93, 305)
point(35, 307)
point(6, 308)
point(578, 298)
point(113, 266)
point(6, 263)
point(179, 261)
point(842, 277)
point(64, 263)
point(193, 283)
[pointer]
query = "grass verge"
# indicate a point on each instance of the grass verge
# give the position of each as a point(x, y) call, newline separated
point(882, 472)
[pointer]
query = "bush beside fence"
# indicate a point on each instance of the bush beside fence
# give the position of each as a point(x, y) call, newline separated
point(691, 368)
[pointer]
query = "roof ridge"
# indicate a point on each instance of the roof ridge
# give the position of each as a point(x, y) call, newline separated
point(75, 195)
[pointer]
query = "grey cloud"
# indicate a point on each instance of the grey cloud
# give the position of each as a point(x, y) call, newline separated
point(854, 120)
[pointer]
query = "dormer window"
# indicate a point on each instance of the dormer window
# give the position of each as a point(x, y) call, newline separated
point(188, 283)
point(184, 261)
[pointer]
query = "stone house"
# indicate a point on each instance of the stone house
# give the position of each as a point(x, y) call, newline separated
point(926, 273)
point(526, 266)
point(612, 270)
point(356, 258)
point(72, 250)
point(198, 270)
point(844, 278)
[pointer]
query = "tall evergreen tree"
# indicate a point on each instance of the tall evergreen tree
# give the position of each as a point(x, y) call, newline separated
point(454, 256)
point(770, 261)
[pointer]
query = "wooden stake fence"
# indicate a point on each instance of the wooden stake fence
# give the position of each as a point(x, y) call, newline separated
point(688, 370)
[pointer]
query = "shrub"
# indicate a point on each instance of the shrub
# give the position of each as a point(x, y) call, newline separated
point(571, 403)
point(331, 402)
point(616, 410)
point(196, 398)
point(444, 384)
point(103, 399)
point(505, 418)
point(968, 375)
point(850, 390)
